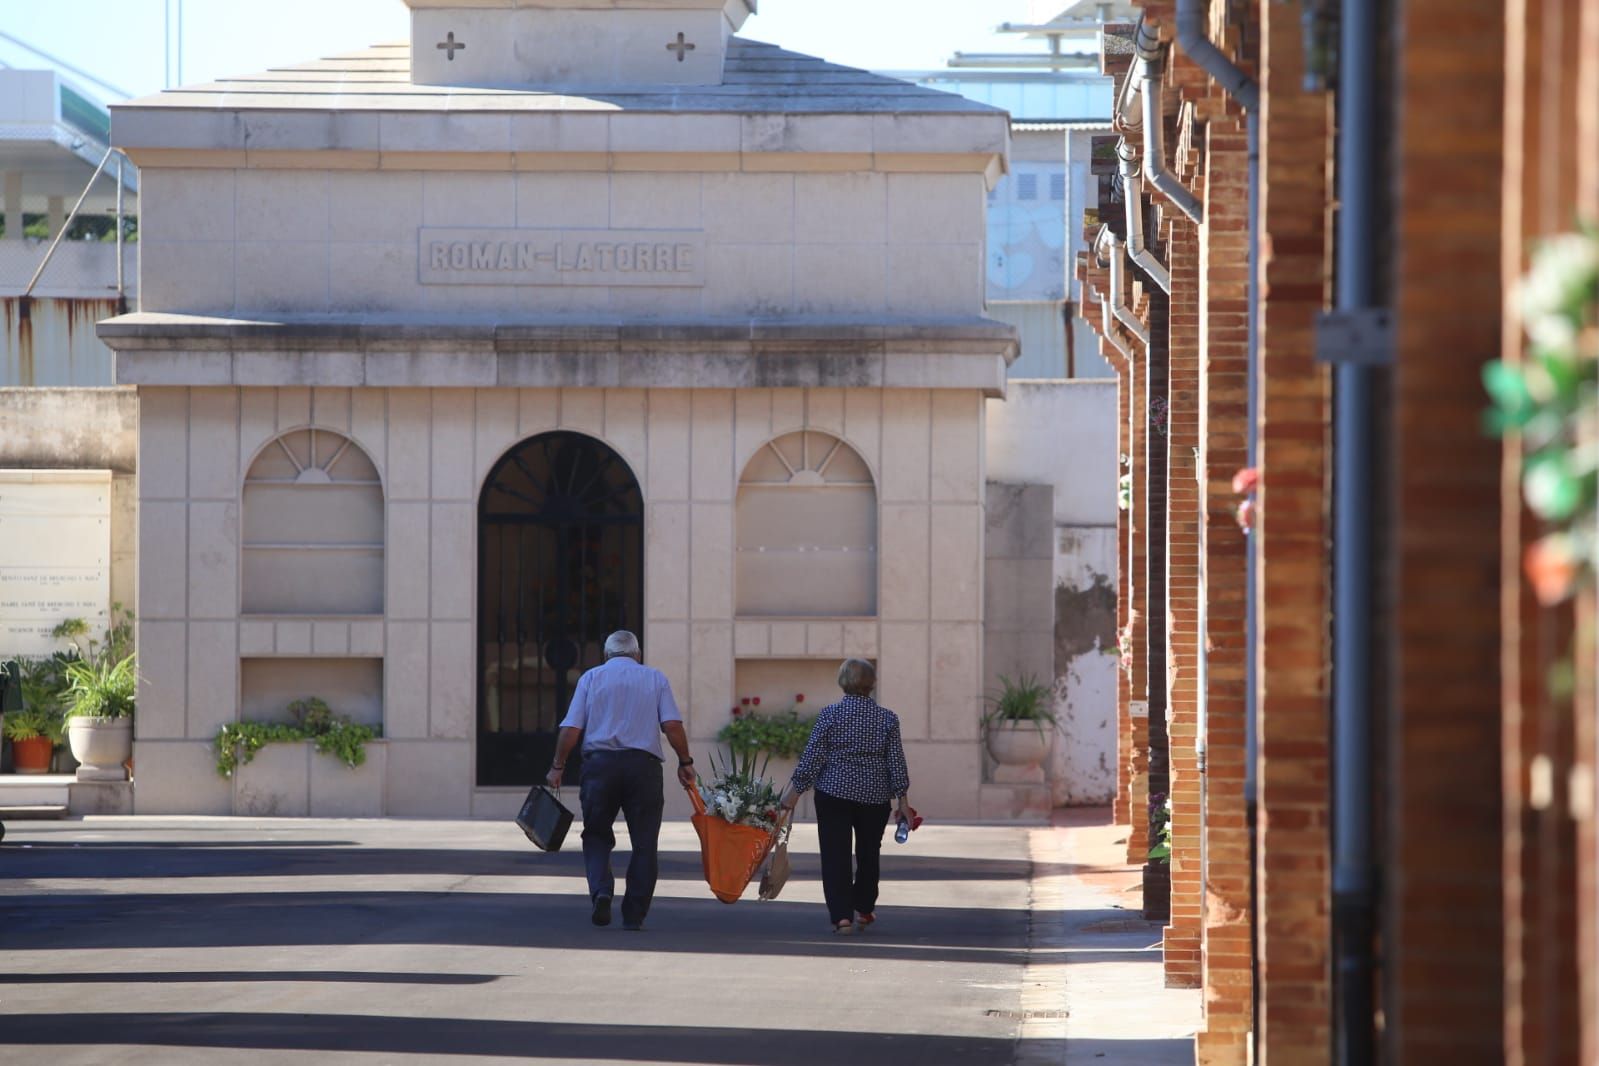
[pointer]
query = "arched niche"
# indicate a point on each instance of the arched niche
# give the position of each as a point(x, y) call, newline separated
point(313, 528)
point(807, 530)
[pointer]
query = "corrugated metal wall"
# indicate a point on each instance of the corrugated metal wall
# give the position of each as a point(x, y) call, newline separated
point(53, 342)
point(1043, 337)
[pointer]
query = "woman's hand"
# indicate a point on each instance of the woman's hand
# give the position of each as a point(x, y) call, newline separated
point(790, 799)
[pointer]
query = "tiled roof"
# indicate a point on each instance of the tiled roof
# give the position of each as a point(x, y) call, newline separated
point(760, 78)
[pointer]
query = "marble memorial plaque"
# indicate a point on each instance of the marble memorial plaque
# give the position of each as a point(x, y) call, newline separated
point(562, 257)
point(55, 556)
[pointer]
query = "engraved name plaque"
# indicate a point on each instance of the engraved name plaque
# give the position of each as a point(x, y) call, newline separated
point(55, 555)
point(562, 257)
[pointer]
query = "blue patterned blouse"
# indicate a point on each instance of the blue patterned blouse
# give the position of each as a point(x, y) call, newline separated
point(855, 753)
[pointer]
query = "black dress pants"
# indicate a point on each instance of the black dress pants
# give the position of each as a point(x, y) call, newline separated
point(849, 887)
point(629, 783)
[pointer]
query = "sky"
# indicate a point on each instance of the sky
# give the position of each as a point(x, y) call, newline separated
point(121, 41)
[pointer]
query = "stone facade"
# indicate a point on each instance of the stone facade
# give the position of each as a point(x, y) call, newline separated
point(686, 276)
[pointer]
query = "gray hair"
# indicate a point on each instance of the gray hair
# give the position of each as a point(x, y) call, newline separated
point(621, 643)
point(857, 677)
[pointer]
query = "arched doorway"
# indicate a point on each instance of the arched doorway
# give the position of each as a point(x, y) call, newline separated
point(560, 566)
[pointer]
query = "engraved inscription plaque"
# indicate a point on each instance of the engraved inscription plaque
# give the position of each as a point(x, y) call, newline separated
point(561, 257)
point(55, 555)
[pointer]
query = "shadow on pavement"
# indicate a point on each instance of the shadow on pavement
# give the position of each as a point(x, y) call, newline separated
point(126, 859)
point(101, 921)
point(526, 1040)
point(232, 977)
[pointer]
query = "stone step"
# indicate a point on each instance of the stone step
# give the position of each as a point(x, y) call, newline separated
point(37, 812)
point(35, 790)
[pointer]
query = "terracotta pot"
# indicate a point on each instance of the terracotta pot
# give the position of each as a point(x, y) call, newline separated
point(32, 756)
point(1017, 743)
point(101, 745)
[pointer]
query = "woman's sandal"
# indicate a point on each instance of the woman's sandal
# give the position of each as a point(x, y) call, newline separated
point(844, 928)
point(863, 920)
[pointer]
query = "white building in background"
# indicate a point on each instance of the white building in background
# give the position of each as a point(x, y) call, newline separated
point(1058, 103)
point(53, 135)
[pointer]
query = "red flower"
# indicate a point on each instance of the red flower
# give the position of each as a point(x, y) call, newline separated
point(1552, 569)
point(745, 701)
point(757, 701)
point(800, 698)
point(736, 712)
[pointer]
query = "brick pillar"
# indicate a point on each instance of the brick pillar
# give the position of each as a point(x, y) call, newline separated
point(1545, 158)
point(1157, 875)
point(1441, 904)
point(1223, 450)
point(1121, 808)
point(1181, 939)
point(1294, 1023)
point(1137, 571)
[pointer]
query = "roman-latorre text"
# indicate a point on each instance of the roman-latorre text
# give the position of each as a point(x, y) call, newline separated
point(562, 257)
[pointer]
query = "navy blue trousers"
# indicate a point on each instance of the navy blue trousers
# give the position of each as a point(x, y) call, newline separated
point(629, 783)
point(850, 887)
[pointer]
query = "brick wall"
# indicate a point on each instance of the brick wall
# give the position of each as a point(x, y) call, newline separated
point(1223, 443)
point(1157, 875)
point(1442, 904)
point(1294, 1019)
point(1182, 935)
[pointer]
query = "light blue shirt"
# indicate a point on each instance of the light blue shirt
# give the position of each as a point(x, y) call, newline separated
point(622, 705)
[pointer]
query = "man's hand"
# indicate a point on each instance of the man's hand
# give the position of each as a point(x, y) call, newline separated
point(686, 776)
point(553, 778)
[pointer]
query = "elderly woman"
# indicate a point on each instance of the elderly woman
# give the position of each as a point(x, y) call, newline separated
point(857, 764)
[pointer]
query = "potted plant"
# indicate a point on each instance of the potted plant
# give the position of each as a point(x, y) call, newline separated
point(34, 732)
point(100, 699)
point(1014, 728)
point(778, 738)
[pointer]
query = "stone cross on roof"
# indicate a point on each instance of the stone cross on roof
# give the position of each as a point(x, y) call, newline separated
point(572, 44)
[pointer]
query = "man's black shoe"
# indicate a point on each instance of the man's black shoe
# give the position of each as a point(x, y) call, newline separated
point(602, 910)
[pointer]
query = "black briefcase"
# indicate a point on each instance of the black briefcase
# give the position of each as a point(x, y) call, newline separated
point(544, 818)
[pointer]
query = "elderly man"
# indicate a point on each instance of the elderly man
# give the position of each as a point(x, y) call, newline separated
point(620, 710)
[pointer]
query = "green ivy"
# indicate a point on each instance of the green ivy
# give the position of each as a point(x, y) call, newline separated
point(1551, 401)
point(236, 743)
point(782, 735)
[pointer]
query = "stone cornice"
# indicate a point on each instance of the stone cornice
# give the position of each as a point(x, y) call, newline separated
point(177, 350)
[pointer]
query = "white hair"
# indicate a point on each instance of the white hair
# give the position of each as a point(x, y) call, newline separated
point(621, 643)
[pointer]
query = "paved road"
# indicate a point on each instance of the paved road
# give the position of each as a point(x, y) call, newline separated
point(201, 941)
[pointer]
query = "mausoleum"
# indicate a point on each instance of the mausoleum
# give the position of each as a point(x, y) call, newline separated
point(573, 315)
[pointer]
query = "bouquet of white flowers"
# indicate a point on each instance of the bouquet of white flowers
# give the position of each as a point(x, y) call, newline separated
point(736, 816)
point(741, 794)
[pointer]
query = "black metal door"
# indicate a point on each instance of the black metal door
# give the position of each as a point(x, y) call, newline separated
point(560, 567)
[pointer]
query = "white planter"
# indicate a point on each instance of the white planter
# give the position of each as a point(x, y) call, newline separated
point(1018, 750)
point(101, 746)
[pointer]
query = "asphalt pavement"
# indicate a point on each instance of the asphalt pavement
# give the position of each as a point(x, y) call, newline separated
point(177, 941)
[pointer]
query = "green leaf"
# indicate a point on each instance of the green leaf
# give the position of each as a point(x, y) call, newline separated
point(1506, 385)
point(1553, 490)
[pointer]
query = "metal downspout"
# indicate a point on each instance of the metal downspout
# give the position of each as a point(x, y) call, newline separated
point(1108, 327)
point(1196, 45)
point(1353, 547)
point(1152, 55)
point(1133, 196)
point(1118, 294)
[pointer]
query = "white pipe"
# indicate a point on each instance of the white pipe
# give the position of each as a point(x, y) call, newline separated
point(1118, 294)
point(68, 223)
point(1108, 329)
point(1155, 148)
point(1133, 192)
